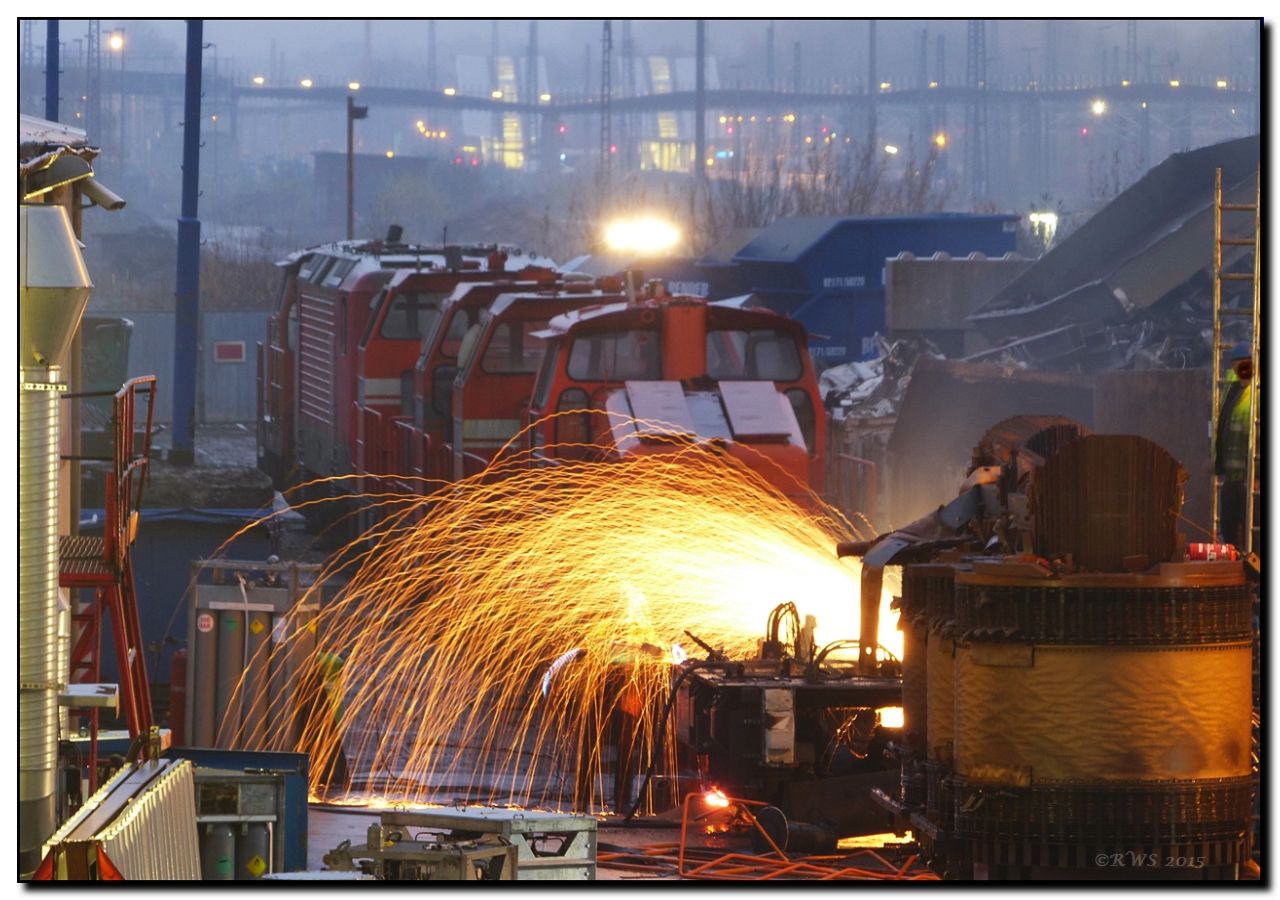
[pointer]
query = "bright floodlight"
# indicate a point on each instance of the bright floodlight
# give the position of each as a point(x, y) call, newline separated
point(1045, 224)
point(496, 94)
point(646, 235)
point(306, 82)
point(449, 92)
point(115, 40)
point(940, 139)
point(259, 79)
point(1098, 107)
point(890, 149)
point(544, 97)
point(892, 716)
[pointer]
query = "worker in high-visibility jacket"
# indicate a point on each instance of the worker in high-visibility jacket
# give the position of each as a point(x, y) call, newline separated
point(1231, 446)
point(321, 709)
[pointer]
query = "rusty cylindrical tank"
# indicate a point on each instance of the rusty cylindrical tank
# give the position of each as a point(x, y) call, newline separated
point(1102, 722)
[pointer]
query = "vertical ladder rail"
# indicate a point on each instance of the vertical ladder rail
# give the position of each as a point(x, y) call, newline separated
point(1218, 381)
point(1252, 531)
point(1215, 377)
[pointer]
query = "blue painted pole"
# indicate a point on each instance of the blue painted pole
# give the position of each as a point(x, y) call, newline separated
point(187, 306)
point(51, 48)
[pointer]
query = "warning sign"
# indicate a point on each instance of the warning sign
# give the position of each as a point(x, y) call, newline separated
point(256, 626)
point(256, 866)
point(204, 622)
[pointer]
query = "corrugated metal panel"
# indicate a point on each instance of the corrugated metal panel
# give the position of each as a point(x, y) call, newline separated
point(143, 819)
point(155, 838)
point(228, 387)
point(315, 362)
point(1143, 214)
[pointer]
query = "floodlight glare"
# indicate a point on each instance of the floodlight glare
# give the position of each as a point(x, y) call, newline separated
point(645, 235)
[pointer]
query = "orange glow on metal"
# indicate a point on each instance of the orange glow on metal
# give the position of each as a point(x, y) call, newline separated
point(716, 798)
point(493, 628)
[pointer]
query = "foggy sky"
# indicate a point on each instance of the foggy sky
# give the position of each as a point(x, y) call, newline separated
point(833, 49)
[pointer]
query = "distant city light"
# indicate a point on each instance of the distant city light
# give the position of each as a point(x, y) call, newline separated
point(214, 117)
point(1144, 104)
point(444, 134)
point(259, 79)
point(643, 235)
point(1124, 83)
point(940, 139)
point(1098, 107)
point(890, 149)
point(1044, 224)
point(933, 84)
point(390, 154)
point(421, 124)
point(353, 85)
point(496, 94)
point(710, 162)
point(561, 129)
point(544, 97)
point(563, 157)
point(1222, 82)
point(306, 82)
point(884, 85)
point(1084, 132)
point(723, 119)
point(1173, 82)
point(449, 92)
point(115, 40)
point(808, 139)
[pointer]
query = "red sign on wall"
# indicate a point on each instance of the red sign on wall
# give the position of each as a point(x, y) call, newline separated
point(228, 351)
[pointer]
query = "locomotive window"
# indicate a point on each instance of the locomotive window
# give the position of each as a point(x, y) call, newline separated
point(458, 325)
point(375, 304)
point(616, 356)
point(513, 349)
point(309, 266)
point(321, 269)
point(412, 315)
point(338, 271)
point(546, 374)
point(758, 354)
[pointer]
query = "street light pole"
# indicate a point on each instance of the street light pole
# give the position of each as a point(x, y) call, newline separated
point(353, 112)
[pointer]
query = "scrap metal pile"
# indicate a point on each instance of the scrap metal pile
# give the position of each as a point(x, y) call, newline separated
point(874, 388)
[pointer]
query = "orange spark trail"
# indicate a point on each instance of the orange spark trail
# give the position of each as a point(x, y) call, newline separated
point(495, 631)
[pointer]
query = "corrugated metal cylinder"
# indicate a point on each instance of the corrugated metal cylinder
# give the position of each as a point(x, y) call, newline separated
point(1097, 713)
point(38, 674)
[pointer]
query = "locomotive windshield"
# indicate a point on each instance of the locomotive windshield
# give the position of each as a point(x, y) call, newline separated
point(634, 355)
point(413, 315)
point(757, 354)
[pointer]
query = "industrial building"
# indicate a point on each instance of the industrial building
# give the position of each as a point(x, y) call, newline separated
point(898, 540)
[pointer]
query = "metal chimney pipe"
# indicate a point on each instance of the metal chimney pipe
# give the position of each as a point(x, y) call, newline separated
point(53, 291)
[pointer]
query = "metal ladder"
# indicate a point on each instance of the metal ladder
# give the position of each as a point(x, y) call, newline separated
point(1253, 538)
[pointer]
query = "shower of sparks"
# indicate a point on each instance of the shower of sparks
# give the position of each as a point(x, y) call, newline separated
point(496, 631)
